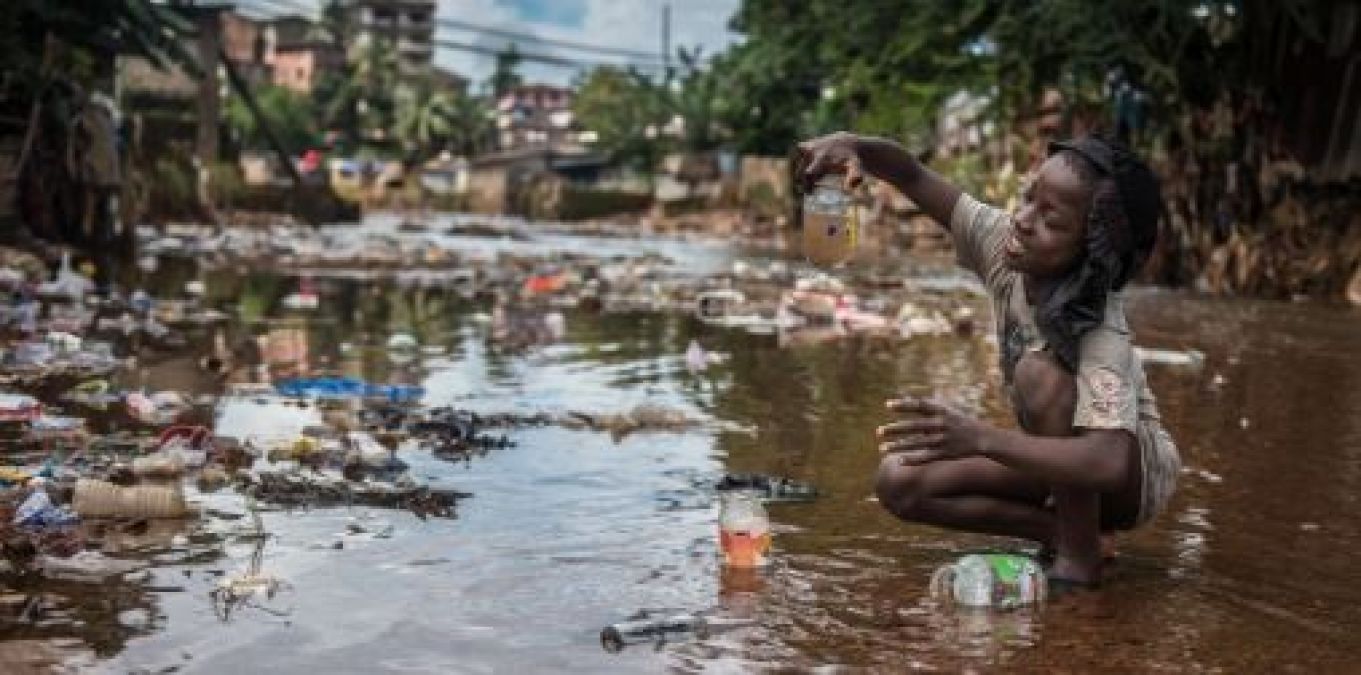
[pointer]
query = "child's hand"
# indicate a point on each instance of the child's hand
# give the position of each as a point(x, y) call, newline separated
point(830, 154)
point(935, 431)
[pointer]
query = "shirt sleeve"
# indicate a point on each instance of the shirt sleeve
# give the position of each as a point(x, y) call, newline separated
point(980, 233)
point(1107, 394)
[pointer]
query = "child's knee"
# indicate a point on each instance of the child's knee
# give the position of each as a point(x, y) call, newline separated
point(901, 488)
point(1046, 392)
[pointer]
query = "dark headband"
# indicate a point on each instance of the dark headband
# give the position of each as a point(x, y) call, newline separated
point(1092, 149)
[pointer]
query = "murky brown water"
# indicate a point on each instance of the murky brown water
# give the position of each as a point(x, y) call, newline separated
point(1254, 567)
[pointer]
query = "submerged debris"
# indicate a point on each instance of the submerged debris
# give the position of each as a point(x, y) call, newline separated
point(299, 489)
point(768, 488)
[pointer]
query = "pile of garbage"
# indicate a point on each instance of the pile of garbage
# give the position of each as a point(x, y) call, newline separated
point(527, 291)
point(80, 446)
point(86, 458)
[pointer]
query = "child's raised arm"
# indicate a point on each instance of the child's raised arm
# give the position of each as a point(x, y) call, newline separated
point(855, 156)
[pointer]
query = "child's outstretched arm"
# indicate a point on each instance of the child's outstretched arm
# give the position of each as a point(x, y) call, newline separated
point(856, 156)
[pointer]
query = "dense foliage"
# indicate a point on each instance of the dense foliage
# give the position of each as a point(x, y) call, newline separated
point(885, 67)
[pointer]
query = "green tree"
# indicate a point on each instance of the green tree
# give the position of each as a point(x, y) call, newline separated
point(697, 98)
point(817, 66)
point(1208, 80)
point(425, 119)
point(504, 76)
point(289, 114)
point(335, 20)
point(361, 100)
point(627, 111)
point(472, 126)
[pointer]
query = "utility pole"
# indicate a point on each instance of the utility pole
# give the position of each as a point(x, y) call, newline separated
point(209, 103)
point(666, 36)
point(243, 88)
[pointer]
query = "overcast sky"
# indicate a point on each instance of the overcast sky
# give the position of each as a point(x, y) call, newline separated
point(617, 24)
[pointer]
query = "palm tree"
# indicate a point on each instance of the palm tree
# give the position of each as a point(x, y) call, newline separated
point(472, 126)
point(425, 120)
point(361, 100)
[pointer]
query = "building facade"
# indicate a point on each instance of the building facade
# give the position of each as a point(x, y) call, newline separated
point(408, 24)
point(535, 115)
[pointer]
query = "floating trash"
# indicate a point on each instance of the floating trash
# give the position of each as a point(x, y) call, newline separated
point(990, 580)
point(768, 488)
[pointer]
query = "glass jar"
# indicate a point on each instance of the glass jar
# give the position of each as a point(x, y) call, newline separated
point(831, 224)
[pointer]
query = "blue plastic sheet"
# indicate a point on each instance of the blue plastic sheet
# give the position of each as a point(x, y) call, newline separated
point(347, 387)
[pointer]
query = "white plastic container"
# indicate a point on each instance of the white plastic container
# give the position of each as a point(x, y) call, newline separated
point(990, 580)
point(743, 529)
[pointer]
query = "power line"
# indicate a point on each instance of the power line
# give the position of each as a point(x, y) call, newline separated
point(501, 32)
point(541, 58)
point(293, 6)
point(281, 7)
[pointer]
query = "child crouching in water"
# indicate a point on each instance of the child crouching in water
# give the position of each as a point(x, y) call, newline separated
point(1091, 455)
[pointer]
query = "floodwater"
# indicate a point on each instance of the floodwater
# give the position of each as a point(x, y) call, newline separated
point(1255, 566)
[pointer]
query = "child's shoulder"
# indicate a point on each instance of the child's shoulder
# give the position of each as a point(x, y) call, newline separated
point(1110, 342)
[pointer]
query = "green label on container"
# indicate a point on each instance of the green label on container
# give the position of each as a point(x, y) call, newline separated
point(1005, 567)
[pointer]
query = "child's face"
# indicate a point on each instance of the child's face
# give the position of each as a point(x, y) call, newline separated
point(1049, 227)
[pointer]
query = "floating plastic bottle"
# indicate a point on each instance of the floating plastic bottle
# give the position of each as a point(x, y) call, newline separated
point(743, 529)
point(769, 488)
point(990, 580)
point(98, 499)
point(38, 512)
point(655, 630)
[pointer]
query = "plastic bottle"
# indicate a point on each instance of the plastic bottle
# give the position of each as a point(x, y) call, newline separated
point(98, 499)
point(615, 637)
point(744, 529)
point(996, 580)
point(695, 358)
point(37, 510)
point(33, 506)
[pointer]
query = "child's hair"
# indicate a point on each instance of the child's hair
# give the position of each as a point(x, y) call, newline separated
point(1122, 226)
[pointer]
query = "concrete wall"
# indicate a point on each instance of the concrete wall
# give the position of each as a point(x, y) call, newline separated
point(487, 188)
point(773, 171)
point(295, 69)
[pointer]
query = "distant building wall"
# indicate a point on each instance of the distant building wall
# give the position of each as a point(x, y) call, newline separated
point(408, 24)
point(487, 188)
point(242, 39)
point(302, 67)
point(295, 69)
point(535, 115)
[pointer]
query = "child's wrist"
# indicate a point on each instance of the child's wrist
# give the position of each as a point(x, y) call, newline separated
point(987, 440)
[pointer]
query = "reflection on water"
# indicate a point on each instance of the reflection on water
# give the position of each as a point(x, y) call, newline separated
point(1252, 567)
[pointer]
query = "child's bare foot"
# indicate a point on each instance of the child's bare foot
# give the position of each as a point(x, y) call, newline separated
point(1075, 572)
point(1109, 551)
